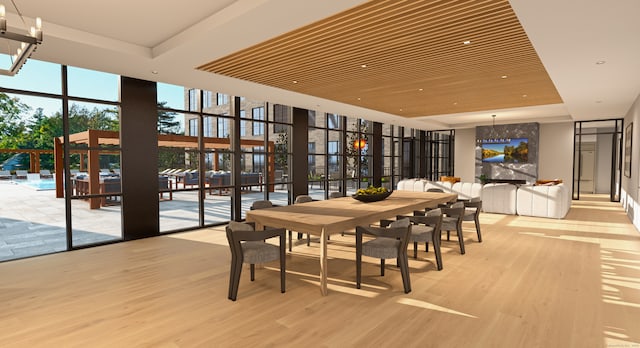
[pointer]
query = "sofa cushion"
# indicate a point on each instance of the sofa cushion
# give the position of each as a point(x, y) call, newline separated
point(543, 201)
point(499, 198)
point(467, 190)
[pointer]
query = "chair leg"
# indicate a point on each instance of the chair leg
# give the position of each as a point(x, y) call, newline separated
point(308, 239)
point(436, 250)
point(299, 235)
point(232, 278)
point(426, 247)
point(358, 268)
point(282, 270)
point(253, 272)
point(382, 267)
point(478, 230)
point(460, 239)
point(290, 241)
point(448, 235)
point(233, 293)
point(415, 250)
point(404, 270)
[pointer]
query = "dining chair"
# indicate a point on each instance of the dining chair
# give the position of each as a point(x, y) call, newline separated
point(249, 246)
point(261, 204)
point(299, 200)
point(336, 194)
point(472, 213)
point(390, 242)
point(427, 229)
point(452, 221)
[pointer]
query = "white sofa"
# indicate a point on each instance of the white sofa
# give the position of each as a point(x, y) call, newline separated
point(499, 198)
point(552, 201)
point(543, 201)
point(467, 190)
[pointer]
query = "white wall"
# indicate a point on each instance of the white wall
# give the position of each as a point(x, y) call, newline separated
point(631, 186)
point(603, 161)
point(555, 152)
point(465, 151)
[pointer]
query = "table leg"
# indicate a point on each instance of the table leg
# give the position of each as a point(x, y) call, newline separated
point(323, 262)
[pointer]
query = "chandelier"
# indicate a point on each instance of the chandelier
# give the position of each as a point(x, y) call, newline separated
point(494, 136)
point(27, 43)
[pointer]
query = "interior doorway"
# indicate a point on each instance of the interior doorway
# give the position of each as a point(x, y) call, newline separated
point(597, 164)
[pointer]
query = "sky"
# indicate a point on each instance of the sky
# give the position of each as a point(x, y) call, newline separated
point(45, 77)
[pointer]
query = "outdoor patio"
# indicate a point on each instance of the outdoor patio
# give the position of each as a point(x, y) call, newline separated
point(32, 222)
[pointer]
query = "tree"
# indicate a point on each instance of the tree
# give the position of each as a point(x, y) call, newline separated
point(167, 123)
point(12, 126)
point(282, 151)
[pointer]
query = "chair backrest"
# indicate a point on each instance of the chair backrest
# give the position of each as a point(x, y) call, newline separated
point(335, 195)
point(261, 204)
point(434, 212)
point(303, 199)
point(400, 223)
point(457, 205)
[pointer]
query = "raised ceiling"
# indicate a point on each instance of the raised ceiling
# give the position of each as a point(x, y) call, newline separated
point(409, 58)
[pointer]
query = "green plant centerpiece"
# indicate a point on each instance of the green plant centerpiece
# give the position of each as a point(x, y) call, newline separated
point(372, 194)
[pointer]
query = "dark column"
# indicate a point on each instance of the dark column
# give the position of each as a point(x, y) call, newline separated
point(236, 198)
point(139, 158)
point(422, 154)
point(300, 146)
point(377, 165)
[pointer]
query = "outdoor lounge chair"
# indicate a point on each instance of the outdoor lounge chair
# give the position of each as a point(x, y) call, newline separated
point(45, 174)
point(21, 174)
point(5, 175)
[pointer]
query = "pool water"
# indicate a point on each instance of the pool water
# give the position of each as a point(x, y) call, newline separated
point(39, 185)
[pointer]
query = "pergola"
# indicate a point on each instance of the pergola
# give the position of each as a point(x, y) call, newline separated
point(94, 138)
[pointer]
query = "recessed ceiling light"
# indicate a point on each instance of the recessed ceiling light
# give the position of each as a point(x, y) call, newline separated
point(363, 65)
point(400, 109)
point(421, 89)
point(600, 62)
point(359, 98)
point(524, 96)
point(155, 72)
point(455, 103)
point(503, 76)
point(466, 42)
point(294, 81)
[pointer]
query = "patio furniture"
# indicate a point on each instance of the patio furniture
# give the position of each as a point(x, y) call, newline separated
point(21, 174)
point(248, 246)
point(45, 174)
point(5, 175)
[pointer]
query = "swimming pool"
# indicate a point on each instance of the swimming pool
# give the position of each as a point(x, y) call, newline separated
point(39, 185)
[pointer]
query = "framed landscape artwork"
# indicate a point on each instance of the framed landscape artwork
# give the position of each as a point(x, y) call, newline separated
point(628, 134)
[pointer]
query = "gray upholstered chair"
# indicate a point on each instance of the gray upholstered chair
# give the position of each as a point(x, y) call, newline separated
point(452, 221)
point(472, 213)
point(261, 204)
point(299, 200)
point(249, 246)
point(390, 243)
point(337, 194)
point(427, 229)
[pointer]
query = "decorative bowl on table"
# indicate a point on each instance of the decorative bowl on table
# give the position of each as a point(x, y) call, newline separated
point(371, 194)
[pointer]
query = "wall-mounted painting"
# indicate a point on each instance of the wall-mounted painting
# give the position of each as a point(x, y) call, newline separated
point(628, 135)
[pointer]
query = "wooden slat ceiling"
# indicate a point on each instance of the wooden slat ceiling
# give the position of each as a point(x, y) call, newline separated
point(415, 58)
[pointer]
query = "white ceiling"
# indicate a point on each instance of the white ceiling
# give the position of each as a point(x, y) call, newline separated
point(140, 37)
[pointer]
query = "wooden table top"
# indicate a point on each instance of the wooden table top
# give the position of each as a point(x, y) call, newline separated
point(340, 214)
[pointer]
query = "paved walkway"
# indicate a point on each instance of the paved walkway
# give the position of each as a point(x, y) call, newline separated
point(33, 222)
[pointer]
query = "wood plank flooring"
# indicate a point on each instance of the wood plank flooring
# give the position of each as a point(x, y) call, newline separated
point(533, 282)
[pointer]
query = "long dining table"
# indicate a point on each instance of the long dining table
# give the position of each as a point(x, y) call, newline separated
point(326, 217)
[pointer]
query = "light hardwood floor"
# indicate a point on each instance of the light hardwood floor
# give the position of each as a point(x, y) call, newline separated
point(533, 282)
